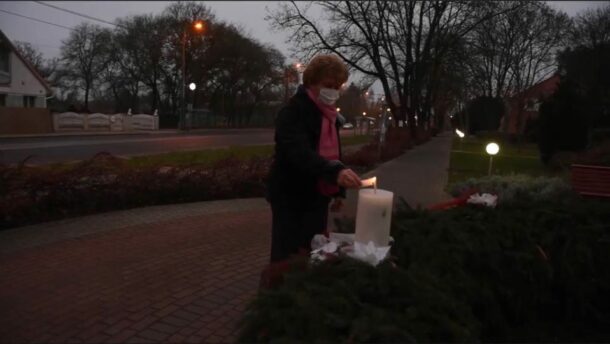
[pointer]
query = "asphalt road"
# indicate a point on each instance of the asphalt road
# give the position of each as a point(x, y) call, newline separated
point(52, 149)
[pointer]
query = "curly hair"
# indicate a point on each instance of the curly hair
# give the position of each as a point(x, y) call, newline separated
point(323, 66)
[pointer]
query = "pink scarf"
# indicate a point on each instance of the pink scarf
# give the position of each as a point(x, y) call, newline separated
point(329, 142)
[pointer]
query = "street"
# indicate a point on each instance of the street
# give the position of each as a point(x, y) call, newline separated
point(46, 150)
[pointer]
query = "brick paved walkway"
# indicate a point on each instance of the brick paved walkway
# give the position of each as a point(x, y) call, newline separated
point(180, 273)
point(183, 280)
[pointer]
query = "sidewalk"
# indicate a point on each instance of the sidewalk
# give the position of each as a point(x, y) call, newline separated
point(179, 273)
point(419, 176)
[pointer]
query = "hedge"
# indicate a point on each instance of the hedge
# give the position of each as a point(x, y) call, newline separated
point(528, 271)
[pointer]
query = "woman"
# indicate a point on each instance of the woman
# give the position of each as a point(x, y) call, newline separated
point(307, 172)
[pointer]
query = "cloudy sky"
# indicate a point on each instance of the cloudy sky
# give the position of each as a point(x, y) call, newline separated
point(249, 14)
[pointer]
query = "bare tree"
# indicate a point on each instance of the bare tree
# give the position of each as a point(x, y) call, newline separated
point(45, 67)
point(240, 71)
point(121, 81)
point(540, 34)
point(398, 43)
point(85, 56)
point(31, 54)
point(178, 20)
point(592, 27)
point(139, 39)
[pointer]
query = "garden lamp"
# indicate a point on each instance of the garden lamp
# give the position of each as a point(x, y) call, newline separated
point(492, 149)
point(461, 136)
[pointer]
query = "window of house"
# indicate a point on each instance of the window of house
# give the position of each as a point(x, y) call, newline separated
point(29, 101)
point(2, 99)
point(5, 75)
point(4, 56)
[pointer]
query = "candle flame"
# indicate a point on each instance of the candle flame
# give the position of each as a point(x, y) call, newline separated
point(370, 182)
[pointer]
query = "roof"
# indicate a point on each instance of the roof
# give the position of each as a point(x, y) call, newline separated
point(545, 87)
point(27, 63)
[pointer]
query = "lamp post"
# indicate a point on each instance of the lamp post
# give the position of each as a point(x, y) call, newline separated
point(197, 26)
point(364, 120)
point(492, 149)
point(189, 114)
point(298, 66)
point(461, 135)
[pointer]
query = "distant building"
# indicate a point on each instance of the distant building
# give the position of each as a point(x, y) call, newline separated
point(20, 84)
point(23, 94)
point(525, 105)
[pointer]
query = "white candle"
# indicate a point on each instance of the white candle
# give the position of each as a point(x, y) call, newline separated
point(374, 216)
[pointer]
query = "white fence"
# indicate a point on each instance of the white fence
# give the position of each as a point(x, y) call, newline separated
point(71, 121)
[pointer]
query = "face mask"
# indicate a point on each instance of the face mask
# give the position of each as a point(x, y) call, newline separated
point(328, 96)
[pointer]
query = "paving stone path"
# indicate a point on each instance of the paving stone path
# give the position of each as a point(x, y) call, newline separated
point(180, 273)
point(182, 280)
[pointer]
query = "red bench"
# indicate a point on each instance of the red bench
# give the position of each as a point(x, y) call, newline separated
point(590, 180)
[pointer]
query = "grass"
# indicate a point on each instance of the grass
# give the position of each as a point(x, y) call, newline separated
point(205, 157)
point(355, 140)
point(469, 160)
point(208, 157)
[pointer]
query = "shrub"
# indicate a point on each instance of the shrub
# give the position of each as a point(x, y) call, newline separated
point(105, 183)
point(516, 188)
point(399, 137)
point(563, 123)
point(485, 114)
point(367, 156)
point(533, 271)
point(397, 141)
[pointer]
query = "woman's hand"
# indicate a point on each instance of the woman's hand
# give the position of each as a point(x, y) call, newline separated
point(348, 179)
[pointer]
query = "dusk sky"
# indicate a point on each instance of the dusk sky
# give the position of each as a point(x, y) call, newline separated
point(248, 14)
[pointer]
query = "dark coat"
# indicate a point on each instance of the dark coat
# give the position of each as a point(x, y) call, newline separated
point(297, 166)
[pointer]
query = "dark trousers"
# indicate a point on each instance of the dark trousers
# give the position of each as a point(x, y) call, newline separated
point(293, 229)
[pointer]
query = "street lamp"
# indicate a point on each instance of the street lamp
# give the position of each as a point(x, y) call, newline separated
point(197, 26)
point(192, 86)
point(492, 149)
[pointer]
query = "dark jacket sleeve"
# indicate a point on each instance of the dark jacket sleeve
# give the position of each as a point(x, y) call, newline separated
point(293, 146)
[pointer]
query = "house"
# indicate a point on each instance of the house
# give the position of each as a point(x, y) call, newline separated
point(23, 94)
point(20, 83)
point(523, 106)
